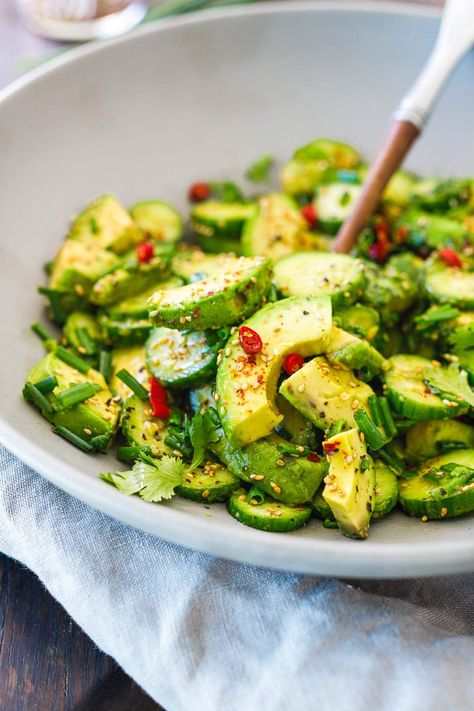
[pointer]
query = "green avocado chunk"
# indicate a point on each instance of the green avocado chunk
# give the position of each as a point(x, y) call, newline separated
point(350, 486)
point(128, 280)
point(434, 437)
point(224, 299)
point(325, 393)
point(96, 416)
point(140, 428)
point(246, 384)
point(355, 353)
point(108, 224)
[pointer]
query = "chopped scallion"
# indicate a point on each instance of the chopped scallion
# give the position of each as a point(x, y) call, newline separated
point(32, 394)
point(374, 409)
point(73, 438)
point(40, 331)
point(84, 340)
point(296, 450)
point(54, 299)
point(105, 364)
point(373, 437)
point(76, 394)
point(386, 417)
point(46, 385)
point(130, 454)
point(255, 496)
point(73, 360)
point(336, 428)
point(126, 377)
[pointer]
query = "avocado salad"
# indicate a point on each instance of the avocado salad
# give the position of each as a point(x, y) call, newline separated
point(236, 358)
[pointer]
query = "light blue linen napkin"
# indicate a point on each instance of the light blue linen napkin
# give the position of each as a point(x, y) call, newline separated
point(201, 633)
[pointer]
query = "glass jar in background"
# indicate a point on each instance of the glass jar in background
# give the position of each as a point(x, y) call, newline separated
point(81, 20)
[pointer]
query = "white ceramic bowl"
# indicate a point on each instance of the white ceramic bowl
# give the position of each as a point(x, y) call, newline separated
point(143, 116)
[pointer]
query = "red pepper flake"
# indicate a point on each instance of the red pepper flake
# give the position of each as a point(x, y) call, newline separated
point(158, 399)
point(379, 250)
point(450, 257)
point(310, 215)
point(145, 251)
point(250, 340)
point(313, 457)
point(199, 192)
point(331, 448)
point(402, 234)
point(293, 362)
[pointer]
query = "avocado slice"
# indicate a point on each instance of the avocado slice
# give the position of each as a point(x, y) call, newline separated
point(97, 416)
point(128, 280)
point(355, 353)
point(325, 393)
point(350, 489)
point(246, 384)
point(239, 289)
point(108, 224)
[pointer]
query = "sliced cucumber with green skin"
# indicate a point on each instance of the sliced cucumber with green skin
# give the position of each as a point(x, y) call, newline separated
point(157, 220)
point(437, 493)
point(270, 516)
point(108, 224)
point(215, 220)
point(291, 480)
point(440, 195)
point(321, 509)
point(355, 353)
point(424, 232)
point(202, 398)
point(310, 164)
point(136, 307)
point(386, 491)
point(334, 203)
point(409, 395)
point(391, 291)
point(335, 153)
point(140, 428)
point(123, 332)
point(338, 276)
point(193, 264)
point(208, 483)
point(124, 282)
point(220, 245)
point(181, 359)
point(277, 229)
point(434, 437)
point(82, 333)
point(227, 298)
point(450, 285)
point(361, 320)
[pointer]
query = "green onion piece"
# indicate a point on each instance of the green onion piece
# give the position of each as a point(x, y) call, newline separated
point(73, 360)
point(296, 450)
point(255, 496)
point(40, 331)
point(84, 339)
point(46, 385)
point(76, 394)
point(336, 428)
point(73, 438)
point(365, 464)
point(48, 267)
point(327, 523)
point(105, 364)
point(372, 435)
point(130, 454)
point(374, 409)
point(54, 299)
point(392, 461)
point(32, 394)
point(386, 416)
point(126, 377)
point(442, 313)
point(100, 442)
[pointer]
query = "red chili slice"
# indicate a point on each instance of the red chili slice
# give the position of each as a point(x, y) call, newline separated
point(158, 399)
point(250, 340)
point(293, 362)
point(145, 251)
point(313, 457)
point(450, 257)
point(199, 192)
point(310, 215)
point(331, 448)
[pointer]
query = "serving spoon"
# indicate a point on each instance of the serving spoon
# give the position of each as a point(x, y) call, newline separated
point(455, 38)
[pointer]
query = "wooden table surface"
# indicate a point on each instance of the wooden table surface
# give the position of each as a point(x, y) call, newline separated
point(46, 662)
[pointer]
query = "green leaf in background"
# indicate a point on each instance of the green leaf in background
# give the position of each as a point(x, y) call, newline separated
point(259, 171)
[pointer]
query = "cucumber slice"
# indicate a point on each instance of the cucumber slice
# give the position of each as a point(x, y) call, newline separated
point(424, 232)
point(157, 220)
point(136, 307)
point(334, 153)
point(82, 333)
point(434, 437)
point(214, 220)
point(127, 332)
point(439, 489)
point(270, 516)
point(128, 280)
point(319, 273)
point(386, 491)
point(277, 229)
point(193, 265)
point(140, 428)
point(105, 222)
point(361, 320)
point(334, 203)
point(449, 285)
point(210, 482)
point(181, 359)
point(411, 397)
point(229, 297)
point(440, 195)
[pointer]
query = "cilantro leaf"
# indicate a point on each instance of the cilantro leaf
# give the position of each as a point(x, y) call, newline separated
point(227, 192)
point(153, 479)
point(259, 171)
point(450, 382)
point(202, 431)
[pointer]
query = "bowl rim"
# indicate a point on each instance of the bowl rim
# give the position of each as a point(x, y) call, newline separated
point(299, 554)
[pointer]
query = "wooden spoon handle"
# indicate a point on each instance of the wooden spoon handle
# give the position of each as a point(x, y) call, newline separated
point(399, 141)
